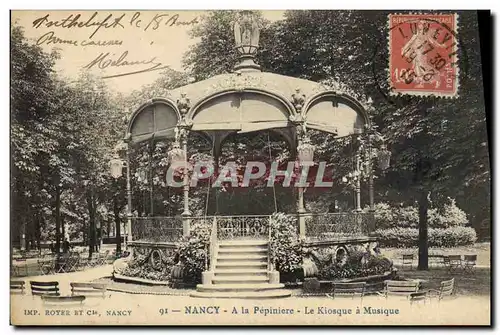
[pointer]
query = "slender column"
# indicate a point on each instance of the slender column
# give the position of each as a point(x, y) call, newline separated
point(216, 174)
point(128, 232)
point(370, 173)
point(151, 202)
point(186, 213)
point(301, 210)
point(358, 184)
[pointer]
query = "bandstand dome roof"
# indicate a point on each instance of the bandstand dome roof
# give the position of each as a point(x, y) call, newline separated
point(248, 100)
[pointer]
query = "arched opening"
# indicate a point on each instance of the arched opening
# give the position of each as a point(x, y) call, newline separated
point(336, 114)
point(242, 111)
point(257, 198)
point(153, 120)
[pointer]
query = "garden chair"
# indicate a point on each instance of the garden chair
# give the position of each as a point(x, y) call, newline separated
point(20, 264)
point(61, 263)
point(17, 286)
point(58, 301)
point(446, 289)
point(73, 262)
point(47, 264)
point(469, 263)
point(400, 288)
point(418, 297)
point(348, 290)
point(44, 288)
point(408, 260)
point(94, 260)
point(88, 289)
point(452, 262)
point(83, 262)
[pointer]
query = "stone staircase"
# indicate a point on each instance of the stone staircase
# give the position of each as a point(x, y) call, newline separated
point(240, 270)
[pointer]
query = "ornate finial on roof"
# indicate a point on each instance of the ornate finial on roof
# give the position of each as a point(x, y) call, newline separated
point(246, 35)
point(183, 104)
point(298, 100)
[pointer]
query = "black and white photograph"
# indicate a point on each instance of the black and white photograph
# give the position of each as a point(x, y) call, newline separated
point(250, 167)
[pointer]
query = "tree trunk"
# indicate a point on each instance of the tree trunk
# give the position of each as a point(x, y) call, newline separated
point(116, 212)
point(91, 231)
point(63, 230)
point(423, 244)
point(58, 219)
point(38, 231)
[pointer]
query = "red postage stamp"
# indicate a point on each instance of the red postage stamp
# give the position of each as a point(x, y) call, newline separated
point(423, 56)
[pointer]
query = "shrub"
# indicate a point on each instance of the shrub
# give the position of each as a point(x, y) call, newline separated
point(384, 215)
point(407, 217)
point(146, 271)
point(448, 216)
point(285, 246)
point(408, 237)
point(192, 250)
point(375, 265)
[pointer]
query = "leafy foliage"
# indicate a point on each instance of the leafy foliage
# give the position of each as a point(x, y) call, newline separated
point(285, 246)
point(354, 268)
point(448, 215)
point(193, 250)
point(438, 237)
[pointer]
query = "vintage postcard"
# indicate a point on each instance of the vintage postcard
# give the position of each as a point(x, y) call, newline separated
point(249, 167)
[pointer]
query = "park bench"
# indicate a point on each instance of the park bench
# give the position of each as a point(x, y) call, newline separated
point(64, 301)
point(17, 286)
point(446, 289)
point(88, 289)
point(469, 263)
point(408, 260)
point(348, 290)
point(400, 288)
point(452, 262)
point(44, 288)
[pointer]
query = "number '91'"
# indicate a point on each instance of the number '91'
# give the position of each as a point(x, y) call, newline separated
point(163, 311)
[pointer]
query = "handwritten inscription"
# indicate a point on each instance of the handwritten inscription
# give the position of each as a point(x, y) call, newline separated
point(118, 22)
point(112, 21)
point(76, 21)
point(108, 60)
point(159, 20)
point(51, 38)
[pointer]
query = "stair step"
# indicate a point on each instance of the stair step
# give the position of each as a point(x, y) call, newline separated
point(240, 272)
point(240, 279)
point(235, 243)
point(241, 265)
point(271, 294)
point(237, 287)
point(242, 250)
point(244, 257)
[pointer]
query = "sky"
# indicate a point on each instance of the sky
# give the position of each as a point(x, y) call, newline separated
point(149, 39)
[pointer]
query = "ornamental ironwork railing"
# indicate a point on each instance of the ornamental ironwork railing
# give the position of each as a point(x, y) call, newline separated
point(157, 229)
point(243, 227)
point(330, 226)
